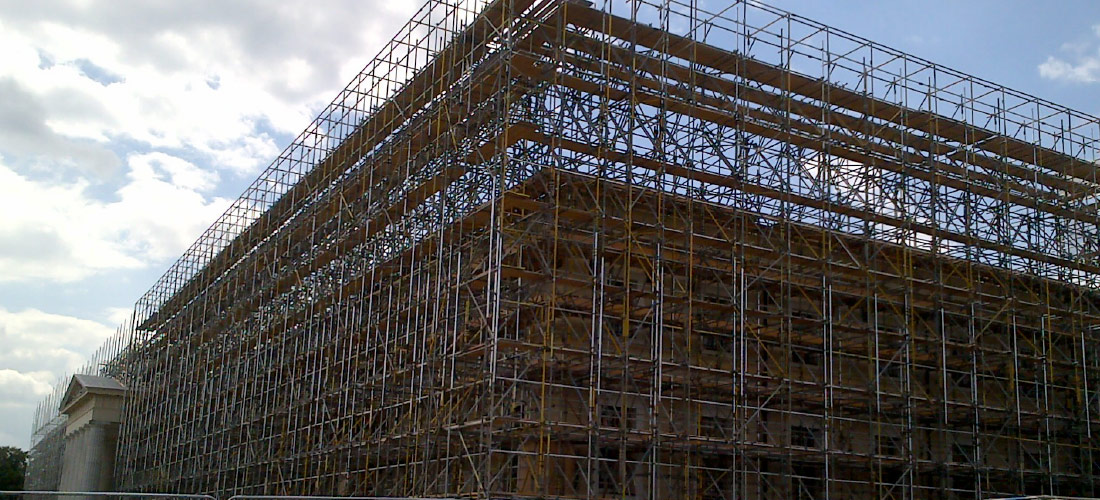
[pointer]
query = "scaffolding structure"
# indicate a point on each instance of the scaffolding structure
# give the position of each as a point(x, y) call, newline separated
point(550, 249)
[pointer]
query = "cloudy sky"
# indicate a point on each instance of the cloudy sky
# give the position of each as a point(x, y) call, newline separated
point(128, 126)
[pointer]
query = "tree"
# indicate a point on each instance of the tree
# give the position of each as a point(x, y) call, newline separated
point(13, 464)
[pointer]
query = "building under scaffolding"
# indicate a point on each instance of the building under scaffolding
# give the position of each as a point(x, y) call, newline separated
point(552, 249)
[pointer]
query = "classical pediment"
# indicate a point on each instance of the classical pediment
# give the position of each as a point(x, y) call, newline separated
point(82, 385)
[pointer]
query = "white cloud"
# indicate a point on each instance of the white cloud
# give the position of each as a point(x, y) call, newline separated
point(118, 315)
point(214, 78)
point(180, 173)
point(19, 389)
point(59, 232)
point(39, 348)
point(19, 397)
point(1081, 65)
point(1085, 69)
point(42, 346)
point(120, 122)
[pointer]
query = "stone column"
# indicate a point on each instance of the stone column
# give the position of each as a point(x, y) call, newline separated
point(94, 408)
